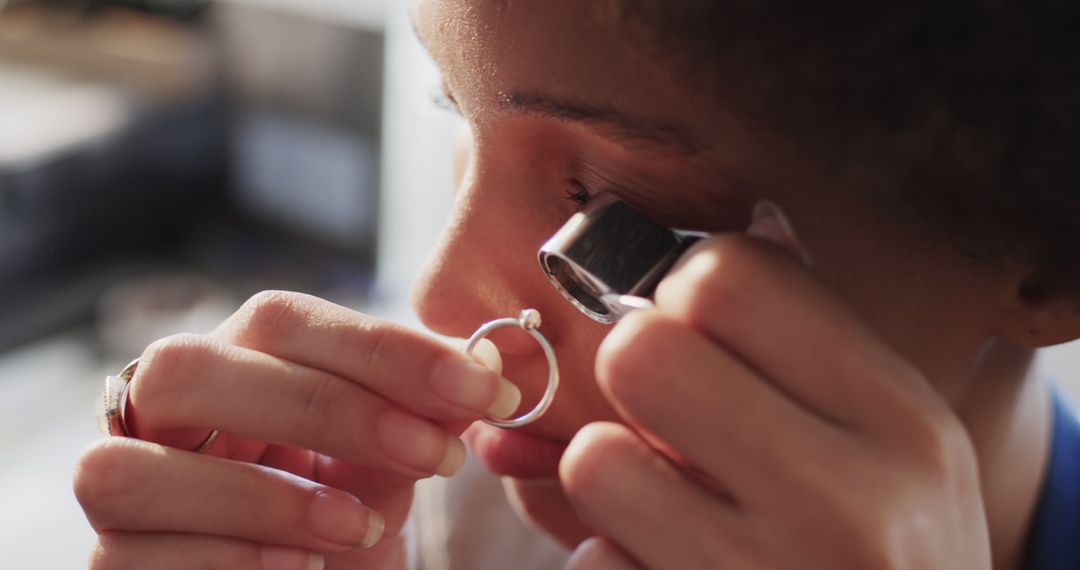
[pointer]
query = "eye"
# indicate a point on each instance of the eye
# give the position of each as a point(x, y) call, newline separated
point(576, 192)
point(442, 99)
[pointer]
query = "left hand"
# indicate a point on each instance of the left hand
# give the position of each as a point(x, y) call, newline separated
point(767, 427)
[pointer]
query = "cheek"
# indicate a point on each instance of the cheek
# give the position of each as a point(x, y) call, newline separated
point(922, 301)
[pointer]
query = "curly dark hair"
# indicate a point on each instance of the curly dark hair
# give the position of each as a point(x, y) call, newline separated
point(968, 111)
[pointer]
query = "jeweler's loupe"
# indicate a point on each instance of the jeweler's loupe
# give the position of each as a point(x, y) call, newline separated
point(609, 257)
point(606, 260)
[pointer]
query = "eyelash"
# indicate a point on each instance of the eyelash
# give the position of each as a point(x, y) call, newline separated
point(442, 100)
point(577, 193)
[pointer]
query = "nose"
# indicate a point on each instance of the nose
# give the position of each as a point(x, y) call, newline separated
point(485, 265)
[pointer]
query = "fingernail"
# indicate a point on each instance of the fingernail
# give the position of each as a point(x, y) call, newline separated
point(284, 558)
point(375, 529)
point(420, 444)
point(470, 385)
point(509, 396)
point(488, 354)
point(453, 459)
point(771, 224)
point(506, 401)
point(342, 519)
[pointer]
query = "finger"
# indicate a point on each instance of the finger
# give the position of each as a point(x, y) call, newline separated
point(401, 364)
point(600, 554)
point(544, 504)
point(388, 494)
point(163, 551)
point(514, 453)
point(761, 303)
point(669, 381)
point(639, 500)
point(132, 485)
point(196, 381)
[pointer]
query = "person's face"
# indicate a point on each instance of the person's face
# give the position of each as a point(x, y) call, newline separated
point(558, 97)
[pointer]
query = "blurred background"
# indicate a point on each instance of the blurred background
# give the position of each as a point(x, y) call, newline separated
point(162, 160)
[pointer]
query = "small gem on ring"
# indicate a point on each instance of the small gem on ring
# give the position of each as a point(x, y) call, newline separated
point(530, 319)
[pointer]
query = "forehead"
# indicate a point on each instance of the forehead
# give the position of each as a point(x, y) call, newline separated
point(566, 48)
point(525, 32)
point(597, 52)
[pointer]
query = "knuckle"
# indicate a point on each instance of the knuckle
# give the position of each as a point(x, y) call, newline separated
point(187, 353)
point(887, 536)
point(733, 274)
point(318, 398)
point(586, 467)
point(269, 313)
point(723, 275)
point(378, 344)
point(942, 443)
point(168, 363)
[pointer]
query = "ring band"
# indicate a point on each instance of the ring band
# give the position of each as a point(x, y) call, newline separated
point(206, 443)
point(528, 321)
point(113, 404)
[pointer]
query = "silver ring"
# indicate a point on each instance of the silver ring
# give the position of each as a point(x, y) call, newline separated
point(114, 400)
point(528, 321)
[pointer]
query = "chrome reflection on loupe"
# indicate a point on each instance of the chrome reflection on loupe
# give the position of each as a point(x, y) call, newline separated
point(609, 257)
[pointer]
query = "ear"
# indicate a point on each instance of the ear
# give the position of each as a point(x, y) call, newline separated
point(1044, 310)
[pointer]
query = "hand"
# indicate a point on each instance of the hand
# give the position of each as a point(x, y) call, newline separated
point(767, 427)
point(327, 418)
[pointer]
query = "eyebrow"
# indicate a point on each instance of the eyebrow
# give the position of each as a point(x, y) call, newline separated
point(624, 128)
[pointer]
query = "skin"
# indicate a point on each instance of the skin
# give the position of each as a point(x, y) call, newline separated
point(869, 409)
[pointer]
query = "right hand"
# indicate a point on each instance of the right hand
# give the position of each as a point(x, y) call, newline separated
point(319, 408)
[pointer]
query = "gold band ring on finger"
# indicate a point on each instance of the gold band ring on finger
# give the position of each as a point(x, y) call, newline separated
point(113, 403)
point(528, 321)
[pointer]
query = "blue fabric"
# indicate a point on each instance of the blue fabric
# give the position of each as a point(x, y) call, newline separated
point(1054, 543)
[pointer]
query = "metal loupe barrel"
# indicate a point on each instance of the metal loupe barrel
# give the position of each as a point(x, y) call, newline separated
point(606, 250)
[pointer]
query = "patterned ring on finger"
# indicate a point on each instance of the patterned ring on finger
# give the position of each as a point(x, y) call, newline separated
point(113, 403)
